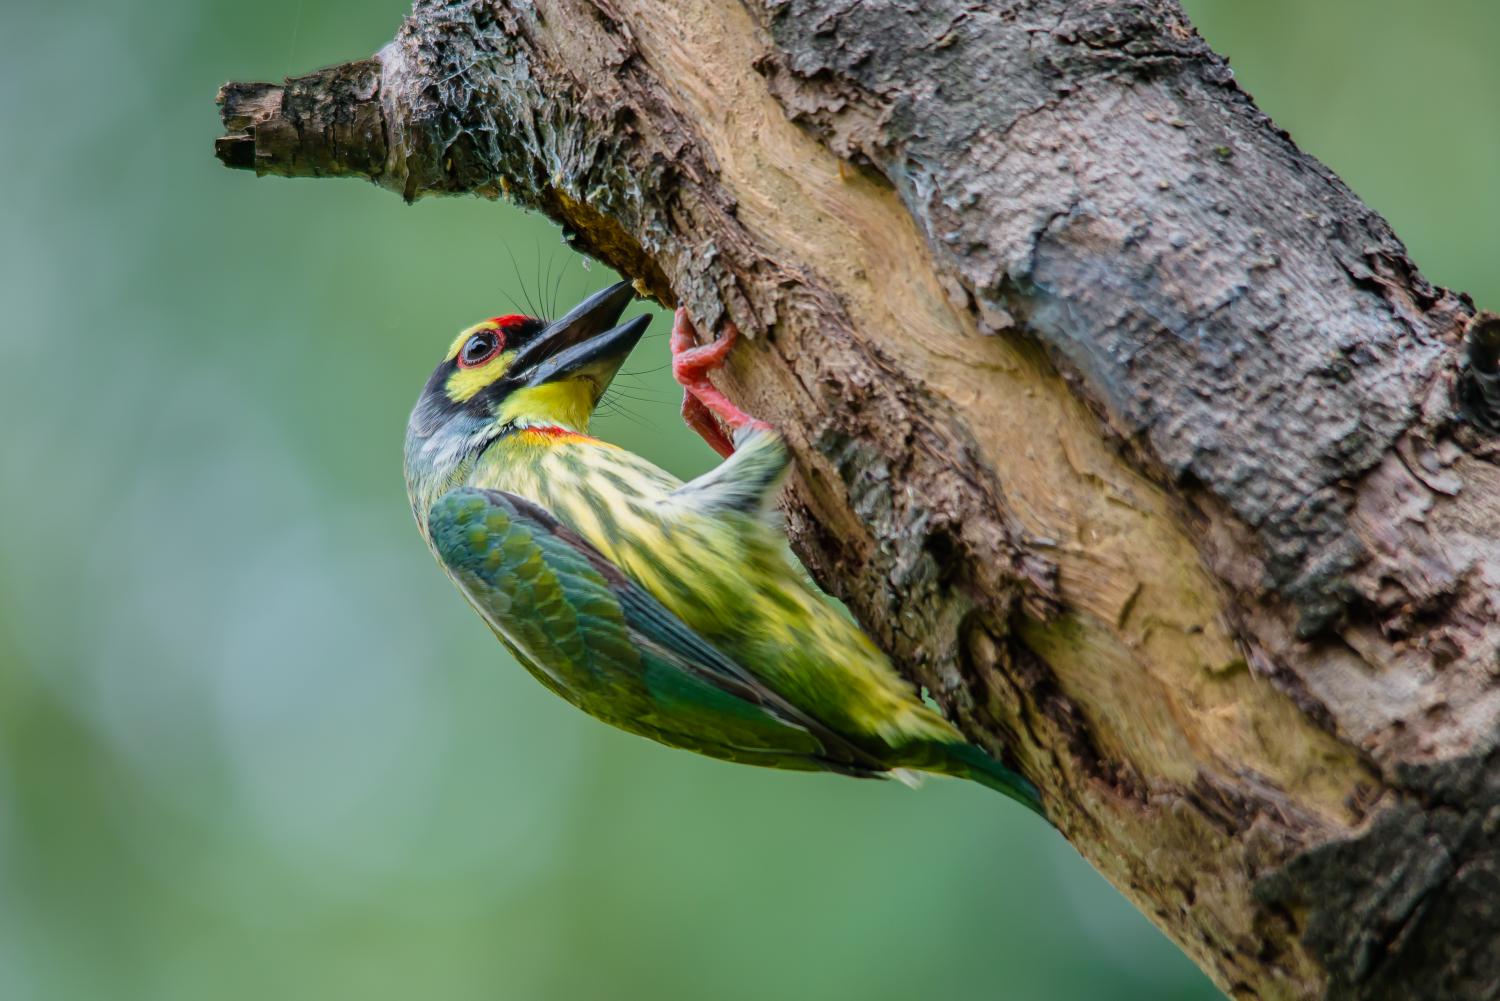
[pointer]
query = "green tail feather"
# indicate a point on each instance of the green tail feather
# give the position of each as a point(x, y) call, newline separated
point(969, 762)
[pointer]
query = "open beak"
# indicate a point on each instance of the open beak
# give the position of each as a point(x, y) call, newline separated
point(588, 342)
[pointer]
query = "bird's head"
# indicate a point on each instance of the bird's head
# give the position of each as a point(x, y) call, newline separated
point(512, 372)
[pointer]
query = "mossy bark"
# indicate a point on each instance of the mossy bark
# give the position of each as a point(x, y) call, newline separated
point(1120, 422)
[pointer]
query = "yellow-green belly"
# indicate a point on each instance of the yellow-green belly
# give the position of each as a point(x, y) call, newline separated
point(727, 576)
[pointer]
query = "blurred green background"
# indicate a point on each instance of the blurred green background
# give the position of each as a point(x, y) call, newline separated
point(253, 746)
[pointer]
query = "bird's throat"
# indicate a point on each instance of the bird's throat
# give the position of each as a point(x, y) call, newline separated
point(567, 403)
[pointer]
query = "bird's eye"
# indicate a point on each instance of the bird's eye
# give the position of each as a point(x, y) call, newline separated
point(479, 349)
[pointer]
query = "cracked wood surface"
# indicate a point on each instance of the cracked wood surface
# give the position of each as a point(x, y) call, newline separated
point(1119, 421)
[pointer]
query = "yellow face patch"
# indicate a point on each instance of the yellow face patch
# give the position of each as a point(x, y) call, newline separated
point(465, 383)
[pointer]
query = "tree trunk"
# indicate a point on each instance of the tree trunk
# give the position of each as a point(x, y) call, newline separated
point(1121, 423)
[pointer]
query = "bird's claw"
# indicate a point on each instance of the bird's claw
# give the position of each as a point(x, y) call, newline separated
point(703, 405)
point(700, 419)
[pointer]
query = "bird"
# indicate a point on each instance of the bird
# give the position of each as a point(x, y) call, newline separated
point(669, 609)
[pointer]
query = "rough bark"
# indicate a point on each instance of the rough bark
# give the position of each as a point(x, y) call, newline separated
point(1121, 423)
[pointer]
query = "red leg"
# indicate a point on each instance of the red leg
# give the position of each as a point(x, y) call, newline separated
point(701, 420)
point(702, 402)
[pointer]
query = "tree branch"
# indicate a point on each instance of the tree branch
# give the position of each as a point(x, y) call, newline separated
point(1120, 422)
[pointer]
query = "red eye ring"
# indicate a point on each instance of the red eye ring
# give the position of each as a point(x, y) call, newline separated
point(481, 346)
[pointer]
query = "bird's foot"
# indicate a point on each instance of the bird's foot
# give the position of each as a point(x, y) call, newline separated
point(703, 406)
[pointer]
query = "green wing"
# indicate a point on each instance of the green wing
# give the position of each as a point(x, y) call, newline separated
point(598, 639)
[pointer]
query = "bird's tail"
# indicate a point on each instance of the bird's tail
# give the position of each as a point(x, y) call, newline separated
point(965, 761)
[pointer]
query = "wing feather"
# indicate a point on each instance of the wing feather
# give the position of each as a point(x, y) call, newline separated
point(609, 646)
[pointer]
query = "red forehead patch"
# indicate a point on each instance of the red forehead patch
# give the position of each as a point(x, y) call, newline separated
point(509, 320)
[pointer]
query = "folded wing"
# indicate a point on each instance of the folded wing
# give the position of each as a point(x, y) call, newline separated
point(597, 638)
